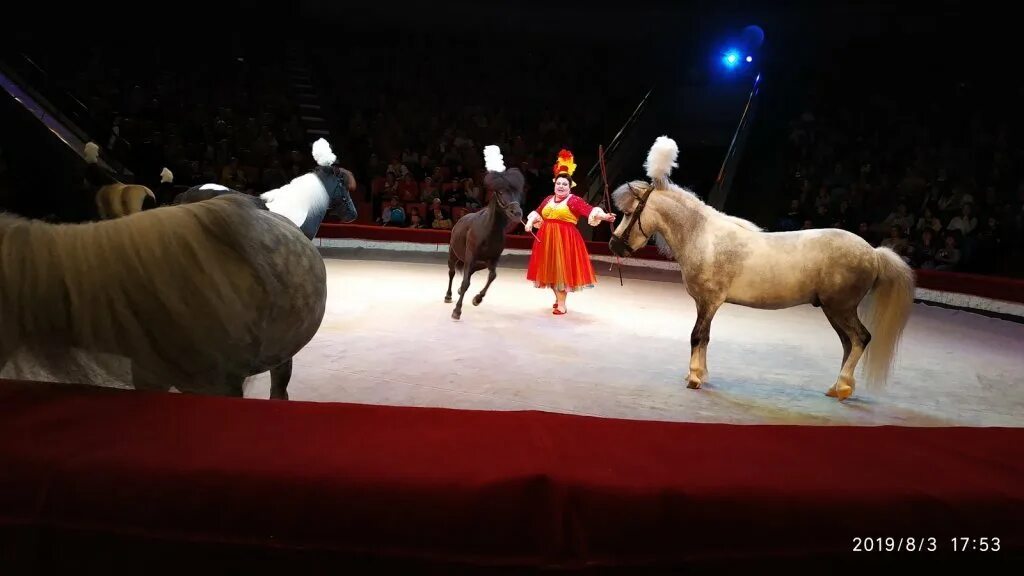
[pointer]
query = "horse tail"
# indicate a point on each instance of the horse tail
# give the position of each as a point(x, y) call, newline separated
point(887, 309)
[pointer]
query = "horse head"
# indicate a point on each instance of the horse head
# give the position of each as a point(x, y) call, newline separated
point(634, 231)
point(506, 189)
point(338, 183)
point(334, 183)
point(632, 197)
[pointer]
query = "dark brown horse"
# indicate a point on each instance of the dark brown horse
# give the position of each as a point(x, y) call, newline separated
point(478, 238)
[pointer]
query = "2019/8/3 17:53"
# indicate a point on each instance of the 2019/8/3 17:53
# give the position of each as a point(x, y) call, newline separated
point(925, 544)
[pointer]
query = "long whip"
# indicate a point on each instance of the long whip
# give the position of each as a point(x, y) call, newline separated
point(608, 203)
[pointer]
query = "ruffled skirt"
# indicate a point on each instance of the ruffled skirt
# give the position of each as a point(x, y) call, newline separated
point(560, 259)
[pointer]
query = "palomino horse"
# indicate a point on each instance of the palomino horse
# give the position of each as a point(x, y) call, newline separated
point(117, 200)
point(113, 199)
point(727, 259)
point(198, 296)
point(478, 238)
point(305, 199)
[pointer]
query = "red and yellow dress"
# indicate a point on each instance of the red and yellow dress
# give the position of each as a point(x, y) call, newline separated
point(560, 259)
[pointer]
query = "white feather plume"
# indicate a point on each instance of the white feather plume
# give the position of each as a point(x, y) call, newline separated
point(92, 152)
point(493, 159)
point(322, 153)
point(662, 158)
point(166, 175)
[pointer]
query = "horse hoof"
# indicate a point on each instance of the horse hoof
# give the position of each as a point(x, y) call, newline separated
point(447, 299)
point(456, 315)
point(840, 392)
point(477, 300)
point(693, 383)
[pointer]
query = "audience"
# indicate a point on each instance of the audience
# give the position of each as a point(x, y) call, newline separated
point(943, 182)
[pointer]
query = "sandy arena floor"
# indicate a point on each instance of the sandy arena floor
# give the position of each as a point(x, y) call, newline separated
point(623, 351)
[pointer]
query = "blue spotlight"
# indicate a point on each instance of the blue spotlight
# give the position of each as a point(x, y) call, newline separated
point(731, 59)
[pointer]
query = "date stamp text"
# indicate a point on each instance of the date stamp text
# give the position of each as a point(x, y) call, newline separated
point(925, 544)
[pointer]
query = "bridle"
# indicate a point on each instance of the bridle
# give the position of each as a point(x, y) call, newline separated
point(325, 173)
point(505, 205)
point(634, 218)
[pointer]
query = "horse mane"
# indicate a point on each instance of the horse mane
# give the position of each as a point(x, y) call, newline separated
point(710, 210)
point(306, 192)
point(161, 287)
point(510, 181)
point(306, 188)
point(200, 193)
point(621, 196)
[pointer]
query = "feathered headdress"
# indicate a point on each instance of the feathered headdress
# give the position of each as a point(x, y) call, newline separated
point(322, 153)
point(499, 178)
point(565, 166)
point(91, 153)
point(493, 159)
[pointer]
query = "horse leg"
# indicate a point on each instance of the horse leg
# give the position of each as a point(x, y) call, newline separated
point(856, 338)
point(699, 339)
point(233, 386)
point(453, 262)
point(280, 375)
point(492, 273)
point(843, 337)
point(704, 359)
point(467, 272)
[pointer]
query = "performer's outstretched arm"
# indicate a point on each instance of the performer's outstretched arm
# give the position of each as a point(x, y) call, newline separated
point(593, 214)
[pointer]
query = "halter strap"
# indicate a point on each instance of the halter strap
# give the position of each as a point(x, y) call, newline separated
point(634, 218)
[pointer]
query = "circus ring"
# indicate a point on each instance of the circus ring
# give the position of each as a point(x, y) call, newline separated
point(516, 441)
